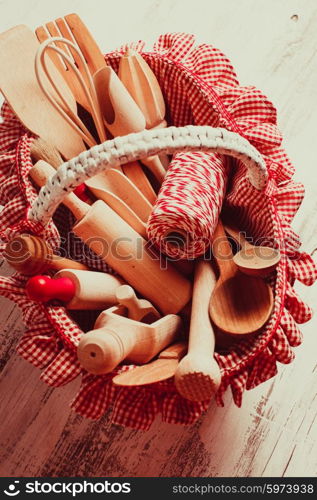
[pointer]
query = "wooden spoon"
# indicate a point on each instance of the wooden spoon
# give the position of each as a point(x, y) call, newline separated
point(198, 375)
point(161, 369)
point(240, 304)
point(251, 259)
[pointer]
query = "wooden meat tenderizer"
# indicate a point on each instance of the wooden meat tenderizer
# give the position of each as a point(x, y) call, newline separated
point(30, 254)
point(138, 309)
point(198, 375)
point(78, 289)
point(125, 251)
point(117, 338)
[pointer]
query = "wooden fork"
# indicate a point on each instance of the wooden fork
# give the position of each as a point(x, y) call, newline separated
point(73, 28)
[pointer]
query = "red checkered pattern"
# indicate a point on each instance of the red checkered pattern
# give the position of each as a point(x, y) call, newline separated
point(189, 200)
point(200, 87)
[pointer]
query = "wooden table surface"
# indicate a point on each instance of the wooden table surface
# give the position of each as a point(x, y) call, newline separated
point(273, 45)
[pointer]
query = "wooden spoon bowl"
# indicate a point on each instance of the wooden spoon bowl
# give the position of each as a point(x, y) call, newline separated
point(251, 259)
point(240, 304)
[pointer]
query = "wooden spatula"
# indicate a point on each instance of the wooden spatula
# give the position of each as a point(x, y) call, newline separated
point(161, 369)
point(240, 304)
point(19, 85)
point(143, 86)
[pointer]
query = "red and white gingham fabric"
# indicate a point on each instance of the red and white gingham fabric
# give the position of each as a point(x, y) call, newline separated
point(200, 86)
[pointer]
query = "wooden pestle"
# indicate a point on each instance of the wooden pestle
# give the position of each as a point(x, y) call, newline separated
point(198, 375)
point(138, 309)
point(117, 338)
point(30, 254)
point(79, 289)
point(124, 250)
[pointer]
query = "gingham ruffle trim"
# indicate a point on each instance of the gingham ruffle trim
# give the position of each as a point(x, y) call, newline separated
point(204, 78)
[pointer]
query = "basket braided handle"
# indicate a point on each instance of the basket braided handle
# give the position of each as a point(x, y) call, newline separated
point(140, 145)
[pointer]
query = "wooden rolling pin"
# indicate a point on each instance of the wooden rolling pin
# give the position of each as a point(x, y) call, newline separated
point(117, 338)
point(30, 254)
point(198, 375)
point(78, 289)
point(138, 309)
point(125, 251)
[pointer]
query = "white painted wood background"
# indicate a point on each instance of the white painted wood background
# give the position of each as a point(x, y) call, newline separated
point(273, 45)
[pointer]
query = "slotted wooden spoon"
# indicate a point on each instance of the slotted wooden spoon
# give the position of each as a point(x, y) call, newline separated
point(240, 304)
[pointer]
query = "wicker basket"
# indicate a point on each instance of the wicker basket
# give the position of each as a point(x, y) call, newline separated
point(201, 89)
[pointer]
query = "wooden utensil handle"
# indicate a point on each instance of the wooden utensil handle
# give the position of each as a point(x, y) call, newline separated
point(201, 335)
point(222, 252)
point(238, 236)
point(174, 351)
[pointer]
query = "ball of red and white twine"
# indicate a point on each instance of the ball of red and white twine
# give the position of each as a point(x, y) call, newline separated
point(186, 211)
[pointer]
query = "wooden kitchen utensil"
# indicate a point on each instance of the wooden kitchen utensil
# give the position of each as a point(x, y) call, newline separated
point(110, 237)
point(111, 91)
point(113, 188)
point(158, 370)
point(78, 289)
point(143, 86)
point(117, 338)
point(240, 304)
point(73, 29)
point(30, 255)
point(251, 259)
point(121, 114)
point(59, 28)
point(138, 309)
point(66, 112)
point(18, 83)
point(198, 375)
